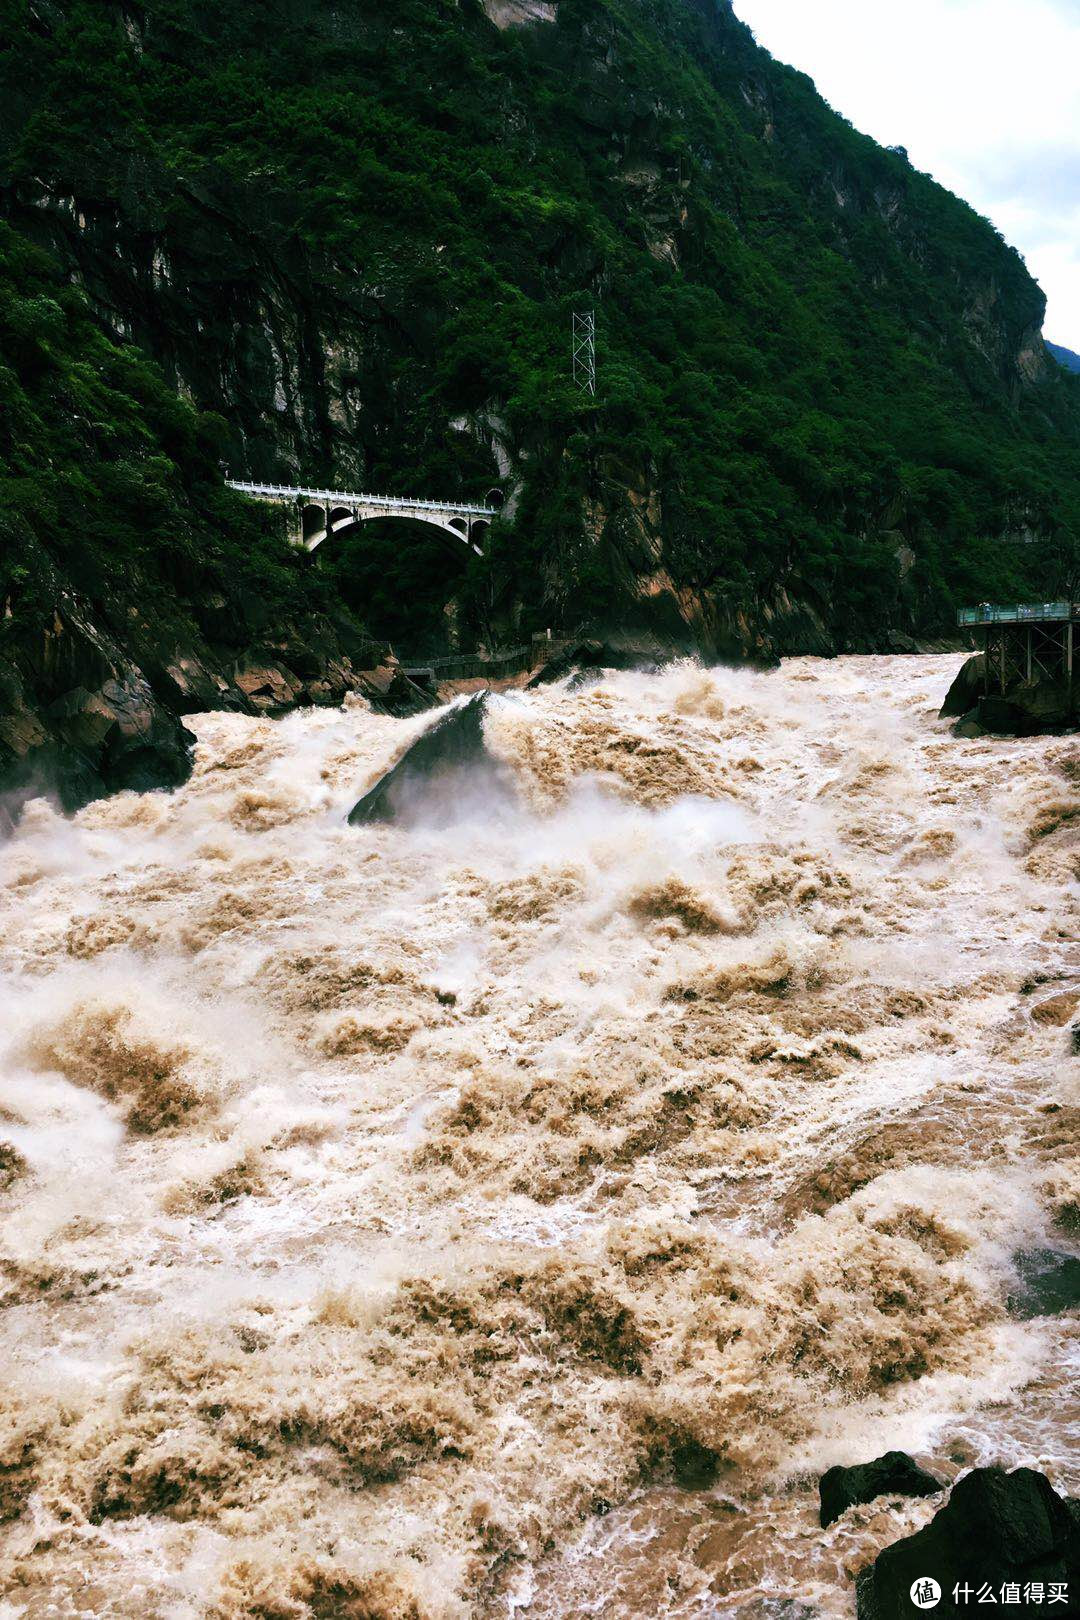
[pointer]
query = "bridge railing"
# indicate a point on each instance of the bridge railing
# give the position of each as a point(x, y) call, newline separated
point(1018, 612)
point(347, 497)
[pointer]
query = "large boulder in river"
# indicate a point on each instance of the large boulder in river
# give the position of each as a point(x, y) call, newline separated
point(895, 1474)
point(966, 690)
point(448, 774)
point(996, 1528)
point(1026, 710)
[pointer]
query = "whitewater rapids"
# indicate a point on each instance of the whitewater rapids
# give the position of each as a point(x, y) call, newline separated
point(516, 1214)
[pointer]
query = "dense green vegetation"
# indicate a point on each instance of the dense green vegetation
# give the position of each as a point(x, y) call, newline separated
point(106, 472)
point(808, 351)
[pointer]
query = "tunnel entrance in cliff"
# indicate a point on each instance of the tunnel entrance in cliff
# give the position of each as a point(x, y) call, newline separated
point(409, 583)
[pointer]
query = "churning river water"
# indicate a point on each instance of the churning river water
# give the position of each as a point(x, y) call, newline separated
point(514, 1214)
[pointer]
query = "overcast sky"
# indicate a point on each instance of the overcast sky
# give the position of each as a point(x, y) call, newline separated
point(985, 95)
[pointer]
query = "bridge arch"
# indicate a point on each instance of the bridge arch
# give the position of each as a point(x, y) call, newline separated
point(453, 532)
point(321, 512)
point(312, 524)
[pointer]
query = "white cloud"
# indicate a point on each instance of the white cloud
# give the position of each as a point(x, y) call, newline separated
point(985, 95)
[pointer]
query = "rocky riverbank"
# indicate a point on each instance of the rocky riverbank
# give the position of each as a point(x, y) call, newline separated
point(998, 1533)
point(85, 711)
point(1026, 709)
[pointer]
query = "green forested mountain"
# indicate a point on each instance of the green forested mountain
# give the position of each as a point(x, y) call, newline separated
point(1065, 357)
point(349, 236)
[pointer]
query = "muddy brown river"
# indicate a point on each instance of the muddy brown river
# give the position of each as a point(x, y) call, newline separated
point(514, 1214)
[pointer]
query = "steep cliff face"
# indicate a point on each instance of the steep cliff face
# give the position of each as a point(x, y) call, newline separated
point(516, 13)
point(356, 234)
point(134, 588)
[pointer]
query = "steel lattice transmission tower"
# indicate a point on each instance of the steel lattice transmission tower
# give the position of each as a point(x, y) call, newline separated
point(585, 351)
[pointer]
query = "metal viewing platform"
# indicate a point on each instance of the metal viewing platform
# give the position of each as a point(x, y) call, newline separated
point(1025, 642)
point(1019, 613)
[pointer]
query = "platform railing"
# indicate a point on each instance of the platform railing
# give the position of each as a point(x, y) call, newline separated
point(1018, 612)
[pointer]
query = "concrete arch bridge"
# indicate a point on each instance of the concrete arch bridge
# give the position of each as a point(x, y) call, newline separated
point(320, 513)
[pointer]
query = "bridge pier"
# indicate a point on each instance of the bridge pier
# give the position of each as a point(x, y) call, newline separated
point(295, 522)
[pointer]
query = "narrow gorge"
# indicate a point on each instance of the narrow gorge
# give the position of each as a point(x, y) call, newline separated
point(342, 244)
point(539, 981)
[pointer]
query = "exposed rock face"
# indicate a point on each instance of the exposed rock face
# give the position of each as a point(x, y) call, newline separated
point(83, 715)
point(513, 13)
point(995, 1528)
point(390, 692)
point(1027, 710)
point(80, 719)
point(895, 1474)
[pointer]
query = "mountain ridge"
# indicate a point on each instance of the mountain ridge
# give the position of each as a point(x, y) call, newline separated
point(1065, 357)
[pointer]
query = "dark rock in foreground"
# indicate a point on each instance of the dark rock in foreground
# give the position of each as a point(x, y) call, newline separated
point(996, 1528)
point(445, 774)
point(1048, 1284)
point(85, 711)
point(895, 1474)
point(78, 722)
point(966, 690)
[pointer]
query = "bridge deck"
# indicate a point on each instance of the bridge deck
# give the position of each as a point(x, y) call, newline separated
point(340, 497)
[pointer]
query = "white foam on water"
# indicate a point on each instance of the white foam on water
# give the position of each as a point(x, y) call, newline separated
point(388, 1209)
